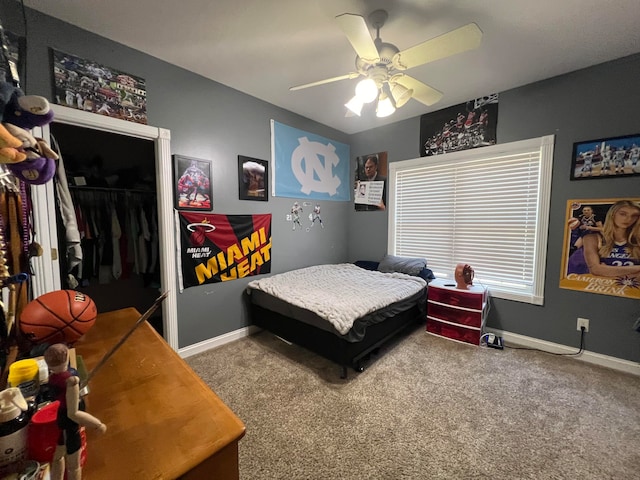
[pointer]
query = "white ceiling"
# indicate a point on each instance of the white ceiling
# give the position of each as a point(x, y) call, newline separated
point(263, 47)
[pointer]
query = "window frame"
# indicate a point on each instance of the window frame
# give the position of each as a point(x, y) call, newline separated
point(545, 148)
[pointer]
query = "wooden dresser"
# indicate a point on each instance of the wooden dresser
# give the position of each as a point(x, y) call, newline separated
point(455, 313)
point(163, 421)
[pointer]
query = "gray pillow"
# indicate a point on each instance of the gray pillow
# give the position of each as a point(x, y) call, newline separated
point(408, 265)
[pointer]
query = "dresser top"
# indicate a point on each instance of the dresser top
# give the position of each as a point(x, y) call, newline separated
point(450, 284)
point(162, 419)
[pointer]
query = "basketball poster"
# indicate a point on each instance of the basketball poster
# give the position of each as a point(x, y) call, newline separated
point(219, 248)
point(467, 125)
point(601, 249)
point(92, 87)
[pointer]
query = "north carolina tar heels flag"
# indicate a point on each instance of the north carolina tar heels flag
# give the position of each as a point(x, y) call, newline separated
point(308, 165)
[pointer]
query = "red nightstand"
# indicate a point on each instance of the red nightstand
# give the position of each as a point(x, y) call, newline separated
point(454, 313)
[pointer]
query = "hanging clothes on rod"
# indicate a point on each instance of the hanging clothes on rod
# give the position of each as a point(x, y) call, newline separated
point(119, 235)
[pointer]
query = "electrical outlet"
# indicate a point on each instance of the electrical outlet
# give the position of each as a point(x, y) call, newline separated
point(583, 322)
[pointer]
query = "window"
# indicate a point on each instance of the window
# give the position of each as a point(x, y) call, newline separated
point(488, 207)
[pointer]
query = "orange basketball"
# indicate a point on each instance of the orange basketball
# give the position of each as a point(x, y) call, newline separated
point(61, 316)
point(573, 223)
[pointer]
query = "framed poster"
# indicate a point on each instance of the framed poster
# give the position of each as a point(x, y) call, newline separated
point(192, 183)
point(13, 68)
point(601, 249)
point(370, 182)
point(606, 158)
point(253, 177)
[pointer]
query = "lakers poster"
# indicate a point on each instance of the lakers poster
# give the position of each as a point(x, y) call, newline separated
point(218, 248)
point(601, 252)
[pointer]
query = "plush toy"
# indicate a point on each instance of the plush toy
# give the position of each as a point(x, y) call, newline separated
point(28, 111)
point(9, 145)
point(29, 159)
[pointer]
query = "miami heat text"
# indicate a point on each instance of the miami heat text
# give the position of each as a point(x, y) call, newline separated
point(240, 259)
point(199, 252)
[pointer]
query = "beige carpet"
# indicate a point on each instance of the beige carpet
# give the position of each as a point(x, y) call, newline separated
point(426, 408)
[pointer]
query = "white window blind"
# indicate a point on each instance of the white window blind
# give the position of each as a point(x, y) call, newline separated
point(487, 207)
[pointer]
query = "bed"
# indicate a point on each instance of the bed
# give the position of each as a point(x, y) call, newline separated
point(343, 312)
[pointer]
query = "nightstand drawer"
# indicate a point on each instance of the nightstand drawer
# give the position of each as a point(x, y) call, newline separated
point(456, 298)
point(453, 332)
point(462, 316)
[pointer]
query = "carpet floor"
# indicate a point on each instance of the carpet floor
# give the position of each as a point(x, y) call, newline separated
point(426, 408)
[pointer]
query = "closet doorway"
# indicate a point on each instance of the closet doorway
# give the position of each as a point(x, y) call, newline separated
point(112, 184)
point(138, 177)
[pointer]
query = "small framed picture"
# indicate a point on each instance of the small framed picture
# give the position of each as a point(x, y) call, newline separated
point(192, 183)
point(253, 178)
point(606, 158)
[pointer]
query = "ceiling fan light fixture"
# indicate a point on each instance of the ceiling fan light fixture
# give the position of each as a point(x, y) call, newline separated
point(366, 90)
point(400, 94)
point(385, 107)
point(355, 105)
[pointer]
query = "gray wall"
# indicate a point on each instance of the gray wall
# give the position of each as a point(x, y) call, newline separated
point(208, 120)
point(597, 102)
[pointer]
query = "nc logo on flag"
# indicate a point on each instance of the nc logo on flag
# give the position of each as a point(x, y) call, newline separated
point(309, 166)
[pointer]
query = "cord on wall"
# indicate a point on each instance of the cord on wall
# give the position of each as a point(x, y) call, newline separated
point(582, 332)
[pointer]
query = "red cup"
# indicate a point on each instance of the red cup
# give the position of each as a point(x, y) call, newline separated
point(43, 433)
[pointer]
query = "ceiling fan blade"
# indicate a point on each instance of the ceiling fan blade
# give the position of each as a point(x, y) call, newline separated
point(421, 92)
point(357, 32)
point(326, 80)
point(451, 43)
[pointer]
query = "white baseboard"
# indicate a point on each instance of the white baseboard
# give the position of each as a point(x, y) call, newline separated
point(586, 356)
point(217, 341)
point(514, 338)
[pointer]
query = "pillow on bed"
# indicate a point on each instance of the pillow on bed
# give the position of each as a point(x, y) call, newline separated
point(426, 274)
point(367, 264)
point(409, 265)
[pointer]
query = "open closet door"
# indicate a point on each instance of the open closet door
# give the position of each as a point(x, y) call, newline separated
point(47, 267)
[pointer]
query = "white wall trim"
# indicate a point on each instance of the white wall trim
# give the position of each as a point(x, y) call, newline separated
point(619, 364)
point(47, 267)
point(217, 341)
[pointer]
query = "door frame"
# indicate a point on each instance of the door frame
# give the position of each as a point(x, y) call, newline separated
point(47, 266)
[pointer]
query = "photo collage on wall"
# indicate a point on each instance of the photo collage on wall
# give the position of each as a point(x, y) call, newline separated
point(87, 85)
point(467, 125)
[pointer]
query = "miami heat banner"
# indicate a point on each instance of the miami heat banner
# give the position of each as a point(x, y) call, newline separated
point(218, 248)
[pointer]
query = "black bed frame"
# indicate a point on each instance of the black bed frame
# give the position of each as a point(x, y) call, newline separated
point(331, 346)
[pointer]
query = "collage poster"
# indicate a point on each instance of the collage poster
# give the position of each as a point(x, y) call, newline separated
point(86, 85)
point(468, 125)
point(601, 250)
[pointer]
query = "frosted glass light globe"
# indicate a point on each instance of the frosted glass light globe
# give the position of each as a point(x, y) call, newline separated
point(385, 107)
point(367, 90)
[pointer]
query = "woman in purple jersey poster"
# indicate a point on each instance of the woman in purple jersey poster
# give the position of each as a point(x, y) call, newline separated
point(609, 260)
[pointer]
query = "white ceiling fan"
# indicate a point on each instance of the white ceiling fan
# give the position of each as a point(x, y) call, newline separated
point(382, 63)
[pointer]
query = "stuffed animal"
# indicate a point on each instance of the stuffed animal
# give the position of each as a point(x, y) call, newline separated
point(9, 145)
point(24, 111)
point(28, 158)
